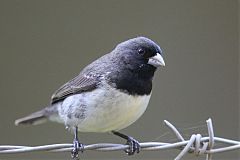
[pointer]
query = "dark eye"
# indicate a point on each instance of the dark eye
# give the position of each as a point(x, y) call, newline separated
point(141, 51)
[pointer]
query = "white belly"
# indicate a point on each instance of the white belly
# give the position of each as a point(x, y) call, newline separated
point(105, 110)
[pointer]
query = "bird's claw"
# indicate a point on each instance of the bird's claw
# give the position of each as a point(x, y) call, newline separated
point(76, 148)
point(134, 146)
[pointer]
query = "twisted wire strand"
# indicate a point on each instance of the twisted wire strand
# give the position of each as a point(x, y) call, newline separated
point(197, 145)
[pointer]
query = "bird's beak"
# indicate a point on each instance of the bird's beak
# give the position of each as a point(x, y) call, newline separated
point(156, 61)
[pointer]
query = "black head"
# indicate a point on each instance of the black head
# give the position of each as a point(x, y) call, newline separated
point(139, 58)
point(141, 54)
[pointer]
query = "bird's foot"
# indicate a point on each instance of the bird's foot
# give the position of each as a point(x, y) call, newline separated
point(134, 146)
point(76, 148)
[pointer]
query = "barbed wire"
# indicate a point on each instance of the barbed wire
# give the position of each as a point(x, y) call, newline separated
point(197, 145)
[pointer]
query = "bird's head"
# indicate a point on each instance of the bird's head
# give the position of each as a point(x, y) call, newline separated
point(135, 62)
point(141, 53)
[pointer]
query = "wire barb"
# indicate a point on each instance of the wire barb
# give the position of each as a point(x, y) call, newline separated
point(197, 145)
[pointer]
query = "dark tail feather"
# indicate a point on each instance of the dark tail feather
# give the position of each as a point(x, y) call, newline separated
point(33, 119)
point(50, 112)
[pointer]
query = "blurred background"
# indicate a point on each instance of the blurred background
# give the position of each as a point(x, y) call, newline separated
point(45, 43)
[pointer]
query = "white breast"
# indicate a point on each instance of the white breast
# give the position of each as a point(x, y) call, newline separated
point(106, 110)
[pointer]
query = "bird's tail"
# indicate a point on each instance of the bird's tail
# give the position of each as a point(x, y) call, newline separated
point(37, 117)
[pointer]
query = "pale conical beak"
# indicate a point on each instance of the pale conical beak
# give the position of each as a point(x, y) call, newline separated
point(156, 60)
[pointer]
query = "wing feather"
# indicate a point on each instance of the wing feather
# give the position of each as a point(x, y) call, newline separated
point(80, 83)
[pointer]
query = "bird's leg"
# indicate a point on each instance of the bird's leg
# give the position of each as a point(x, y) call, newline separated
point(76, 145)
point(134, 145)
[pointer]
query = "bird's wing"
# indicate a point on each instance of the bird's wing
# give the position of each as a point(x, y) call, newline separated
point(80, 83)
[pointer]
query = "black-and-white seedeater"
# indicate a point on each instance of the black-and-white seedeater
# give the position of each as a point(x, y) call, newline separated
point(108, 95)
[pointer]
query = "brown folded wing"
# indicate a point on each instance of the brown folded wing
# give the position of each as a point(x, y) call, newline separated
point(81, 83)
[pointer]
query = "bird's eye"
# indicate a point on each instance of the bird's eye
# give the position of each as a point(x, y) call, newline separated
point(141, 51)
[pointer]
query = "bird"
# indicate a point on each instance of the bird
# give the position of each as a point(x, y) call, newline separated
point(108, 95)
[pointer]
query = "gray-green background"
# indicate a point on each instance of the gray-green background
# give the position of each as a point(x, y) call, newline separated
point(45, 43)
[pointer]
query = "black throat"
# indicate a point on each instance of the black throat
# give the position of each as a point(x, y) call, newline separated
point(135, 81)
